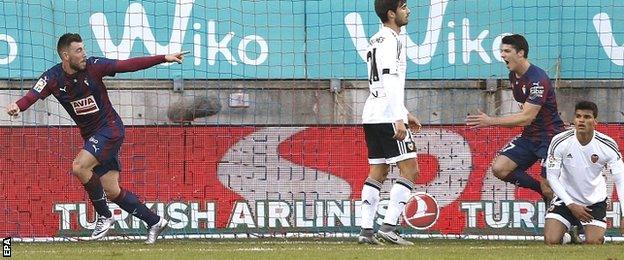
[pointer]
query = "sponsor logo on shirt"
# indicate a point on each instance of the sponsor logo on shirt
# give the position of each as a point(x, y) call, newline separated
point(85, 106)
point(41, 83)
point(536, 90)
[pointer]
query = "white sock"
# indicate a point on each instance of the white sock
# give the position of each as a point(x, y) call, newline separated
point(370, 202)
point(399, 194)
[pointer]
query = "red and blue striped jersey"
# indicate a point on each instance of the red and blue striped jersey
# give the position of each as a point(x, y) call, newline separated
point(536, 88)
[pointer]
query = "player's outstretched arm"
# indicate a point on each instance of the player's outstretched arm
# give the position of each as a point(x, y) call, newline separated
point(134, 64)
point(525, 117)
point(22, 104)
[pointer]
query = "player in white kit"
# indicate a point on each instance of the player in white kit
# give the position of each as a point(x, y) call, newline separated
point(385, 120)
point(575, 165)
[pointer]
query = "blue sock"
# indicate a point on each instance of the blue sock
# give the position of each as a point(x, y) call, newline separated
point(521, 178)
point(96, 195)
point(131, 204)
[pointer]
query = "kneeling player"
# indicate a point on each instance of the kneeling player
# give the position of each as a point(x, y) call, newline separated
point(576, 159)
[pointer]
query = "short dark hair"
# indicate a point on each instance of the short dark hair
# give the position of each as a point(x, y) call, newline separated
point(383, 6)
point(587, 105)
point(65, 41)
point(518, 42)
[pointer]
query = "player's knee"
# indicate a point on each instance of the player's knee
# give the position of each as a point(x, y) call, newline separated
point(499, 171)
point(552, 240)
point(411, 174)
point(112, 191)
point(78, 168)
point(594, 241)
point(383, 177)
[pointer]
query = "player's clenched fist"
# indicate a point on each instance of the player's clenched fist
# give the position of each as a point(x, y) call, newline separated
point(12, 109)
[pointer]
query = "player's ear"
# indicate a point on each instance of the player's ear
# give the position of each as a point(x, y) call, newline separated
point(521, 53)
point(391, 15)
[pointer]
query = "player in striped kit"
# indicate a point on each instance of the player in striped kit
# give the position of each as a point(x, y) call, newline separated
point(575, 165)
point(77, 84)
point(532, 88)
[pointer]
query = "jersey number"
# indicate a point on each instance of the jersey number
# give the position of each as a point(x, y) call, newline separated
point(374, 75)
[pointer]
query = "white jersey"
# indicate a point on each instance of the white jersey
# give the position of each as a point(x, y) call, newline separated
point(575, 172)
point(386, 63)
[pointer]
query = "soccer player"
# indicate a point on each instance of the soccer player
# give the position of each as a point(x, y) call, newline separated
point(385, 129)
point(539, 116)
point(576, 160)
point(77, 84)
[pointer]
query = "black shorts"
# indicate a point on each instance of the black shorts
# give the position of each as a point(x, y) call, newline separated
point(559, 211)
point(383, 149)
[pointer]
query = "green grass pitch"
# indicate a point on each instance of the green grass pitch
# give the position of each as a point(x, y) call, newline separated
point(311, 249)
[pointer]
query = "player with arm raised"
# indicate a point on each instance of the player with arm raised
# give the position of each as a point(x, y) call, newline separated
point(539, 116)
point(575, 165)
point(385, 119)
point(77, 84)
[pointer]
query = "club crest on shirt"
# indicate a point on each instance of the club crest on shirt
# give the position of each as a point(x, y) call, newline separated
point(41, 83)
point(594, 158)
point(85, 106)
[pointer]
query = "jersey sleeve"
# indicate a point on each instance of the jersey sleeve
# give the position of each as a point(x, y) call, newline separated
point(388, 62)
point(41, 90)
point(555, 159)
point(103, 66)
point(554, 163)
point(538, 91)
point(387, 57)
point(615, 164)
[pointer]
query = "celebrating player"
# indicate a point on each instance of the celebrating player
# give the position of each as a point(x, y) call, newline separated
point(539, 116)
point(77, 84)
point(384, 118)
point(576, 160)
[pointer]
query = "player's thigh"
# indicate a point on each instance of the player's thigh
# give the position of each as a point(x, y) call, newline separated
point(560, 212)
point(519, 153)
point(594, 234)
point(379, 172)
point(110, 182)
point(374, 136)
point(503, 165)
point(598, 224)
point(83, 164)
point(553, 231)
point(106, 149)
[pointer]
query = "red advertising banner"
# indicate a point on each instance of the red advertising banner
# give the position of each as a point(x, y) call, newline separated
point(210, 180)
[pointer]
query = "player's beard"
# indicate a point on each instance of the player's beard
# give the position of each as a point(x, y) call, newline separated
point(401, 22)
point(76, 66)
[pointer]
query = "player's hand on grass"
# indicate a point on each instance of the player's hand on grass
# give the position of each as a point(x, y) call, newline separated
point(12, 109)
point(479, 120)
point(413, 123)
point(401, 131)
point(176, 57)
point(581, 212)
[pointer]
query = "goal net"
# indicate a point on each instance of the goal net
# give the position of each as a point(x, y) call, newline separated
point(257, 132)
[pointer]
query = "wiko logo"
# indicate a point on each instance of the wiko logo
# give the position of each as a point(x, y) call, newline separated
point(615, 52)
point(137, 26)
point(424, 52)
